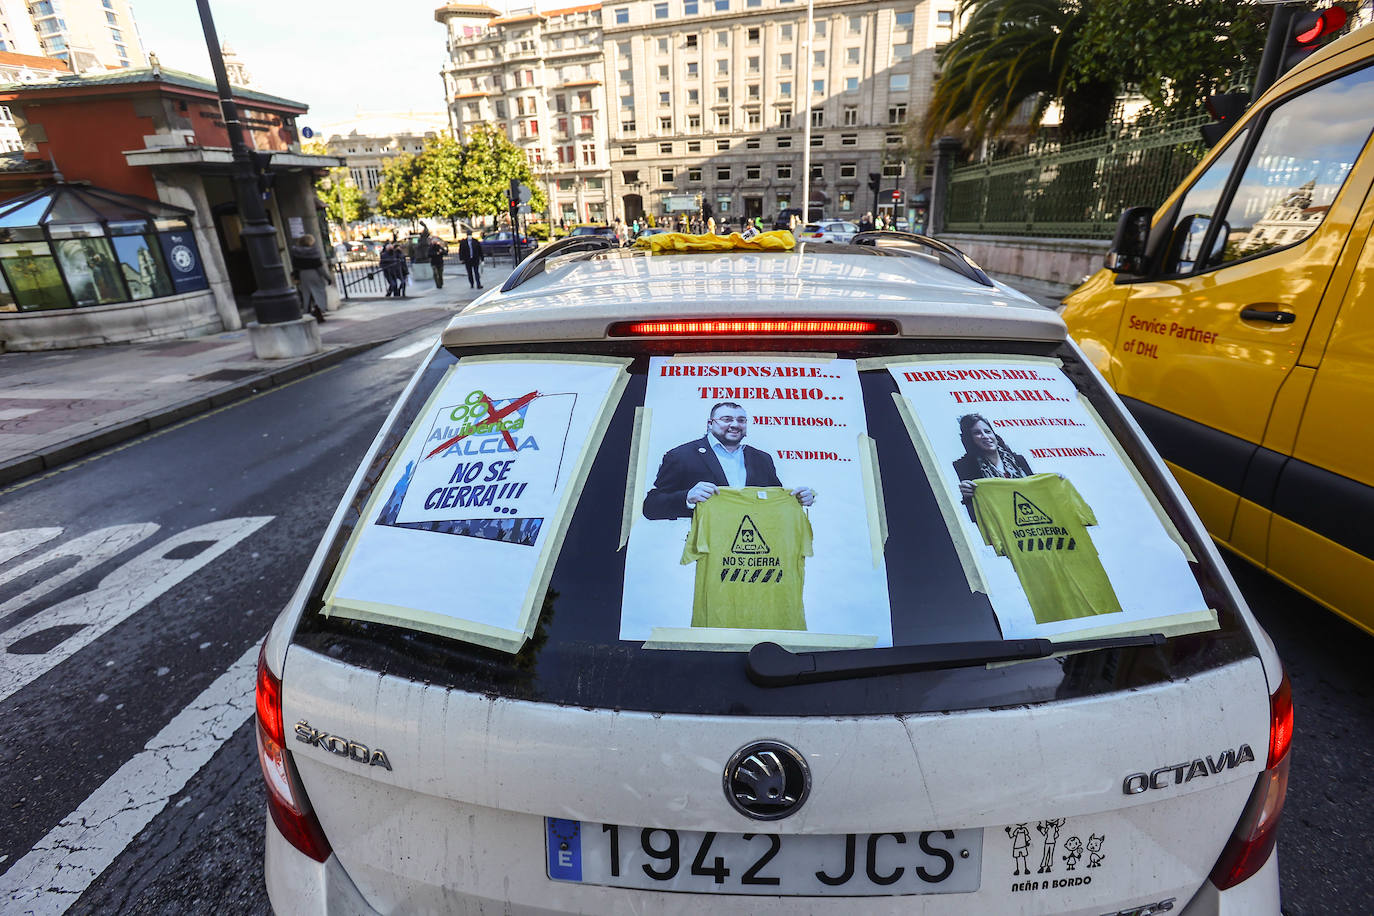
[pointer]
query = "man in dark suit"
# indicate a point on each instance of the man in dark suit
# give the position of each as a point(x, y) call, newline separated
point(695, 471)
point(470, 253)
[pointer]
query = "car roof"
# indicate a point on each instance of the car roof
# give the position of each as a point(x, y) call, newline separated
point(578, 297)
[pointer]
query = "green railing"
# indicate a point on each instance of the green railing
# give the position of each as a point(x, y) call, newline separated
point(1076, 189)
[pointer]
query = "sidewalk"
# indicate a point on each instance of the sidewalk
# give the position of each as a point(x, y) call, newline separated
point(59, 405)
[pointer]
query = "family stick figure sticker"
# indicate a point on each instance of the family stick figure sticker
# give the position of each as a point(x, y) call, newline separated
point(1074, 847)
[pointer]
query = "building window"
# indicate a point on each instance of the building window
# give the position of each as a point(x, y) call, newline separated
point(722, 173)
point(664, 100)
point(663, 46)
point(901, 52)
point(722, 145)
point(722, 67)
point(817, 117)
point(665, 125)
point(818, 59)
point(663, 73)
point(693, 146)
point(849, 170)
point(751, 35)
point(691, 40)
point(722, 6)
point(899, 82)
point(851, 115)
point(785, 32)
point(722, 93)
point(753, 119)
point(722, 39)
point(629, 151)
point(944, 19)
point(904, 20)
point(893, 169)
point(622, 16)
point(851, 84)
point(666, 148)
point(693, 97)
point(694, 122)
point(630, 176)
point(689, 8)
point(818, 140)
point(665, 176)
point(753, 172)
point(753, 64)
point(785, 89)
point(623, 48)
point(892, 140)
point(694, 175)
point(627, 127)
point(846, 201)
point(784, 172)
point(722, 120)
point(692, 69)
point(818, 88)
point(849, 139)
point(896, 114)
point(785, 62)
point(660, 11)
point(585, 122)
point(818, 173)
point(784, 143)
point(784, 117)
point(560, 103)
point(856, 25)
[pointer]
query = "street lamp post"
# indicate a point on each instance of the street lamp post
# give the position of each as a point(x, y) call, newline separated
point(274, 300)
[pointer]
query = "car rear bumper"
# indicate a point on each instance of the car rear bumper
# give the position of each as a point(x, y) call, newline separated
point(297, 884)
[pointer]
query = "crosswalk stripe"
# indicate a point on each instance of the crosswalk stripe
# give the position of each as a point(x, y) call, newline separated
point(411, 350)
point(59, 868)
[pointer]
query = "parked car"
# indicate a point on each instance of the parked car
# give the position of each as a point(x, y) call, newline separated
point(831, 230)
point(592, 229)
point(500, 243)
point(921, 623)
point(1234, 324)
point(784, 220)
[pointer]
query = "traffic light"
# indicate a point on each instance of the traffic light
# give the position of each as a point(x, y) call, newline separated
point(1226, 107)
point(1309, 31)
point(875, 181)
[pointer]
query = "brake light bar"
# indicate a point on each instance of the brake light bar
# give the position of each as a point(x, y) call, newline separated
point(791, 327)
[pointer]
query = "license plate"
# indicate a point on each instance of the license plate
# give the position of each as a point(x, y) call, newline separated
point(850, 865)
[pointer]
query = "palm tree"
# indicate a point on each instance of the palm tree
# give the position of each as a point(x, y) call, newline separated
point(1012, 58)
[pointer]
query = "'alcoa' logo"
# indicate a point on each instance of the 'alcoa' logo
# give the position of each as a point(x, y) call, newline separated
point(343, 747)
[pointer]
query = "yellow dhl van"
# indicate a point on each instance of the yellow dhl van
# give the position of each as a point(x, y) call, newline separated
point(1237, 322)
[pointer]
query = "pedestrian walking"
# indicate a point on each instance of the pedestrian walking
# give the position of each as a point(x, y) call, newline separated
point(470, 253)
point(393, 264)
point(307, 269)
point(866, 222)
point(437, 252)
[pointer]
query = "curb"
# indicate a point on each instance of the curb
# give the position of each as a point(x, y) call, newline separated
point(81, 446)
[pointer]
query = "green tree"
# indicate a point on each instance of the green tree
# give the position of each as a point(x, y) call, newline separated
point(1012, 59)
point(398, 193)
point(489, 162)
point(1175, 52)
point(343, 202)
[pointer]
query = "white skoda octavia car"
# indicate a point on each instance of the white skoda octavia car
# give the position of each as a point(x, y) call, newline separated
point(823, 580)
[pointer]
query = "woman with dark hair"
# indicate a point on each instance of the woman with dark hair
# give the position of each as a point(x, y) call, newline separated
point(985, 455)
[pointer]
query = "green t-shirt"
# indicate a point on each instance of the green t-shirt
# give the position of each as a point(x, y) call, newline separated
point(750, 545)
point(1039, 523)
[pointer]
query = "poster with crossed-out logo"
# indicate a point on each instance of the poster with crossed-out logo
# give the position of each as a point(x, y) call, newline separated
point(476, 496)
point(1059, 532)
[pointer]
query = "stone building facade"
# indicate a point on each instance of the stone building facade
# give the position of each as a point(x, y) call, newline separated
point(675, 106)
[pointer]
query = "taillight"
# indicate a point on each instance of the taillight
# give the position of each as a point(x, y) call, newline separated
point(787, 326)
point(285, 798)
point(1258, 829)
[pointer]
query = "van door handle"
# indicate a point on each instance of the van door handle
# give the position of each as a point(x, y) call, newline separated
point(1277, 317)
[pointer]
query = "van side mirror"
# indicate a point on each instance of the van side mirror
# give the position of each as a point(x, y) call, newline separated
point(1128, 254)
point(1185, 245)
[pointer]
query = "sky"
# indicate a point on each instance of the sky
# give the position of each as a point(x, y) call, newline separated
point(340, 57)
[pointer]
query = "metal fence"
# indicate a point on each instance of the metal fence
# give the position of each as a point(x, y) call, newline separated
point(1076, 189)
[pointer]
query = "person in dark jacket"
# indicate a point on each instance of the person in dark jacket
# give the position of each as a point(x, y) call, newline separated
point(437, 252)
point(308, 270)
point(393, 264)
point(470, 253)
point(985, 455)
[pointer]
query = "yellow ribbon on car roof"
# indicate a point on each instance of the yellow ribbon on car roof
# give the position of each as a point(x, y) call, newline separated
point(777, 240)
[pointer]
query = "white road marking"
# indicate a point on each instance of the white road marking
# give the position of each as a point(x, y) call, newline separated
point(90, 550)
point(119, 595)
point(21, 540)
point(411, 350)
point(54, 874)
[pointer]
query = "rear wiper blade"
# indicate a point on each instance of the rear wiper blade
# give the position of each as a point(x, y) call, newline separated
point(770, 665)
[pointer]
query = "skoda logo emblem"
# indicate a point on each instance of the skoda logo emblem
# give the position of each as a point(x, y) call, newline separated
point(767, 780)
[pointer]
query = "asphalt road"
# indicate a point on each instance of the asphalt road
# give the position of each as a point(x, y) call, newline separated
point(193, 538)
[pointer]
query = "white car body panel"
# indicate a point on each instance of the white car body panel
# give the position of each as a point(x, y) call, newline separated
point(481, 769)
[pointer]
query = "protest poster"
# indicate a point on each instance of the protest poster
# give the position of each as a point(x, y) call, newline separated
point(1055, 525)
point(460, 537)
point(755, 513)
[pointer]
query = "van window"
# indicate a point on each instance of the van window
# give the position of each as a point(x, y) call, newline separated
point(1200, 203)
point(1308, 146)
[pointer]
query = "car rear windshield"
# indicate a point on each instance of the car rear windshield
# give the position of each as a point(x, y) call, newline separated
point(615, 524)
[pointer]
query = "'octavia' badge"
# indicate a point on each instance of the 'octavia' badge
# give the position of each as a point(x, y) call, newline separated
point(767, 780)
